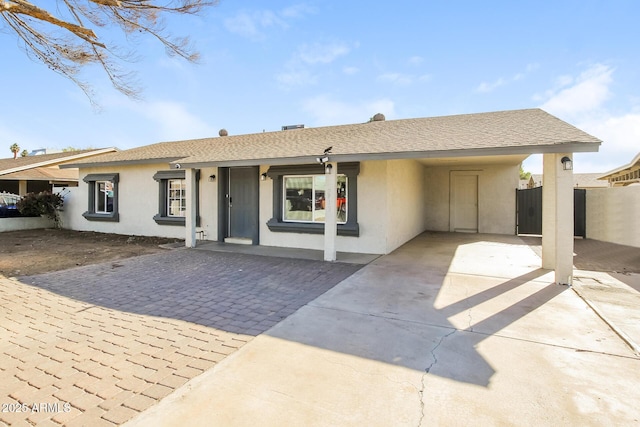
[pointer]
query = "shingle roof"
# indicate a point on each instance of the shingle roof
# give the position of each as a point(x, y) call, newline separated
point(10, 165)
point(527, 131)
point(43, 174)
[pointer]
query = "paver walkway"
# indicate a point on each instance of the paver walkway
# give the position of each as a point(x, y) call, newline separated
point(96, 345)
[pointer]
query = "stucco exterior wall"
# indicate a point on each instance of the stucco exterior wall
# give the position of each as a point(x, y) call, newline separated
point(612, 215)
point(496, 197)
point(137, 204)
point(405, 202)
point(372, 216)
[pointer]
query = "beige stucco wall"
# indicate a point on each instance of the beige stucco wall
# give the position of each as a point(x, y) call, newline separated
point(612, 215)
point(397, 200)
point(372, 182)
point(496, 197)
point(405, 202)
point(138, 203)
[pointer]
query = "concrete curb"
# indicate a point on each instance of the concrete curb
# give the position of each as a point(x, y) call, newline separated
point(635, 347)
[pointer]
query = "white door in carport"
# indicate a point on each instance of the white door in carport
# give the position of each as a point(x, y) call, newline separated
point(464, 202)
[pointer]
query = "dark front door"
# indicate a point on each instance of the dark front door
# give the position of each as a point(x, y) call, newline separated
point(243, 203)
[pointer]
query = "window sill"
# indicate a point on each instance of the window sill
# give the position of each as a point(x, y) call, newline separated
point(109, 217)
point(170, 220)
point(276, 226)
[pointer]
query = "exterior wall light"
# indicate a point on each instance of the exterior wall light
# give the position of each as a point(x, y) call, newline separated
point(212, 178)
point(263, 177)
point(567, 164)
point(328, 168)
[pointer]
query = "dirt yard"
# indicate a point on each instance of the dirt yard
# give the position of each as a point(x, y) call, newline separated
point(28, 252)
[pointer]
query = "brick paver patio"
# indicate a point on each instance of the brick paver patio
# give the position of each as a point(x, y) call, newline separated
point(97, 345)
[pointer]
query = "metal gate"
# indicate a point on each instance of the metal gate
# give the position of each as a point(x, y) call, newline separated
point(580, 212)
point(529, 211)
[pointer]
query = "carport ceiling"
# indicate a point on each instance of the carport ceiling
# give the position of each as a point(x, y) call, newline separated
point(475, 160)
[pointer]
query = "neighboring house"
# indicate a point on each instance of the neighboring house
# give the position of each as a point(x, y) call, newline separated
point(624, 175)
point(33, 174)
point(391, 181)
point(580, 180)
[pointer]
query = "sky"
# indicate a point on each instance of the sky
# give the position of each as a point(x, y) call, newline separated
point(268, 64)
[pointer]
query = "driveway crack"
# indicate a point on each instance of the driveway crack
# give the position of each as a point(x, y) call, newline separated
point(428, 370)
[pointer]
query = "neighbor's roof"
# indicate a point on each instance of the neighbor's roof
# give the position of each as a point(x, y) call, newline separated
point(11, 165)
point(499, 133)
point(635, 162)
point(43, 174)
point(580, 180)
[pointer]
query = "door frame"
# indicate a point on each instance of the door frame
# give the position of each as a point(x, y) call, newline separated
point(452, 193)
point(223, 203)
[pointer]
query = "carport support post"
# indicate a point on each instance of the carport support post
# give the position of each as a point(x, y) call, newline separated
point(190, 220)
point(557, 218)
point(330, 211)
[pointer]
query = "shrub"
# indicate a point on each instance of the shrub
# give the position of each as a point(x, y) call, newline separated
point(45, 203)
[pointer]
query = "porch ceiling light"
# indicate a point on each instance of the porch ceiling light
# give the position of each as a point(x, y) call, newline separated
point(567, 164)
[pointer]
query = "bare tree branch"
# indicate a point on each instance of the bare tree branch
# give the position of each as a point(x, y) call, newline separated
point(70, 40)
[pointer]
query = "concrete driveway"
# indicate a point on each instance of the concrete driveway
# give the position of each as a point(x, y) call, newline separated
point(450, 329)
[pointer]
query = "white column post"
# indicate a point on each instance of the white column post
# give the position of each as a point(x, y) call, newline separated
point(190, 220)
point(330, 211)
point(564, 220)
point(557, 218)
point(549, 211)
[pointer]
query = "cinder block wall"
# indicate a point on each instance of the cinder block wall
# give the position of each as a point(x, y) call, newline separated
point(613, 215)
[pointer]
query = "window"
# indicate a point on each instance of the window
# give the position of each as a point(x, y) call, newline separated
point(299, 199)
point(305, 198)
point(177, 202)
point(172, 197)
point(103, 197)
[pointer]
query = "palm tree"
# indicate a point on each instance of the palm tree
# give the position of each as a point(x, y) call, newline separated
point(15, 149)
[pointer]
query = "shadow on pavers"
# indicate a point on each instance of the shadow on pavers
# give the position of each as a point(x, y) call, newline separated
point(233, 292)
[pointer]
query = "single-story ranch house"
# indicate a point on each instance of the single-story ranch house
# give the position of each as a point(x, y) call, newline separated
point(390, 180)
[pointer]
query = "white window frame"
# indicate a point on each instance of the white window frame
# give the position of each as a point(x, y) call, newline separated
point(181, 199)
point(313, 199)
point(104, 196)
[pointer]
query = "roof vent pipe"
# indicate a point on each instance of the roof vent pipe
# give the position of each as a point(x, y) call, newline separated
point(223, 132)
point(379, 117)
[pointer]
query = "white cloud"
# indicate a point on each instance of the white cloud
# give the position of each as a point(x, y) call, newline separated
point(350, 70)
point(298, 11)
point(416, 60)
point(172, 120)
point(589, 91)
point(293, 78)
point(318, 53)
point(253, 24)
point(328, 111)
point(486, 87)
point(298, 69)
point(583, 102)
point(396, 78)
